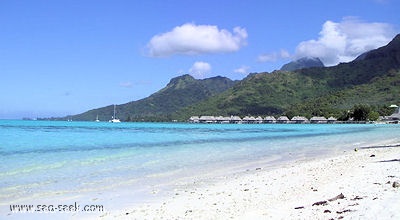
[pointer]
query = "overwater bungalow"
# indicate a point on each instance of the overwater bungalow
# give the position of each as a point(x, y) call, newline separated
point(318, 120)
point(194, 119)
point(222, 120)
point(283, 120)
point(259, 120)
point(332, 120)
point(270, 119)
point(207, 119)
point(249, 119)
point(236, 120)
point(299, 120)
point(212, 119)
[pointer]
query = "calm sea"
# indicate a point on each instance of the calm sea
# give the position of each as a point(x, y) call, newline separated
point(76, 161)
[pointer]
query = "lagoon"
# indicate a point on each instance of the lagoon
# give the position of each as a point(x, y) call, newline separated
point(47, 161)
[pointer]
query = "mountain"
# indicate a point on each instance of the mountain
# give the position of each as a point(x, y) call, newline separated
point(180, 92)
point(305, 62)
point(322, 91)
point(373, 79)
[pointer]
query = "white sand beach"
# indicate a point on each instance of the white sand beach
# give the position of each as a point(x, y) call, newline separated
point(352, 185)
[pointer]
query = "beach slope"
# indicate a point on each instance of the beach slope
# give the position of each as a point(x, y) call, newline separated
point(362, 184)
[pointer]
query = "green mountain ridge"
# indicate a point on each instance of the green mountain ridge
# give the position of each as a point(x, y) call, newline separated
point(323, 91)
point(373, 78)
point(179, 92)
point(305, 62)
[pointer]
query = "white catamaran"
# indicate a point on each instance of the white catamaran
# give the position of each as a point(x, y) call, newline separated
point(114, 119)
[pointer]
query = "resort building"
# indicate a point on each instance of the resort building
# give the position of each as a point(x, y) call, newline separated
point(207, 119)
point(332, 120)
point(249, 119)
point(212, 119)
point(236, 120)
point(253, 120)
point(299, 120)
point(194, 119)
point(222, 120)
point(270, 119)
point(318, 120)
point(259, 120)
point(396, 114)
point(283, 120)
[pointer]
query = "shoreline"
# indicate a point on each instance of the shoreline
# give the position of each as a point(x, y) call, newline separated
point(355, 184)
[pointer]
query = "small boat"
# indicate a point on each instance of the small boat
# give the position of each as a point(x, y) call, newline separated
point(114, 119)
point(97, 119)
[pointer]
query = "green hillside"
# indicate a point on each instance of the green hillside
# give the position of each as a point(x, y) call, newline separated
point(180, 92)
point(372, 79)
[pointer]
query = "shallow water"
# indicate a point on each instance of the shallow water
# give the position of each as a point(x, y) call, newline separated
point(41, 160)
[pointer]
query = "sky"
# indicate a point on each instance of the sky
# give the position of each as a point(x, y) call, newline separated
point(63, 57)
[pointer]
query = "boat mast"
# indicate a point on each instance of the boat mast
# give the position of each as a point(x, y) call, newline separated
point(114, 112)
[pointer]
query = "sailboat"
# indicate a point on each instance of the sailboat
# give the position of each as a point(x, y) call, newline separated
point(97, 119)
point(114, 119)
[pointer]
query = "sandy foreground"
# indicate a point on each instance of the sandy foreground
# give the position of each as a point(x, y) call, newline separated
point(354, 185)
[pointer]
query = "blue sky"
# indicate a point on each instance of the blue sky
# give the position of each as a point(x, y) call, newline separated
point(60, 57)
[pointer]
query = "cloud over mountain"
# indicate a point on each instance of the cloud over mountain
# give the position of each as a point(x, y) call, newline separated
point(192, 39)
point(345, 40)
point(200, 69)
point(242, 70)
point(274, 56)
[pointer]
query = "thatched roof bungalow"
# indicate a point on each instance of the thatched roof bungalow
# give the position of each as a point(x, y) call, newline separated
point(318, 120)
point(236, 119)
point(299, 120)
point(222, 120)
point(194, 119)
point(207, 119)
point(270, 119)
point(249, 119)
point(283, 119)
point(259, 120)
point(332, 119)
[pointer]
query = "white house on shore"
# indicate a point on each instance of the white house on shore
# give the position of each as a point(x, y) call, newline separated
point(396, 114)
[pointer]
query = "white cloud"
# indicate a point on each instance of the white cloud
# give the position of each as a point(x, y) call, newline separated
point(242, 70)
point(274, 56)
point(191, 39)
point(129, 84)
point(126, 84)
point(344, 41)
point(200, 69)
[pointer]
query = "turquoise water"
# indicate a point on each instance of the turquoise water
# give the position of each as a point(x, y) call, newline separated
point(41, 159)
